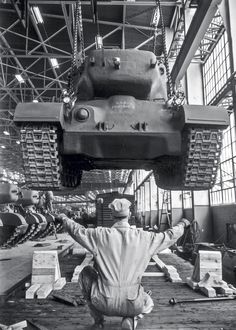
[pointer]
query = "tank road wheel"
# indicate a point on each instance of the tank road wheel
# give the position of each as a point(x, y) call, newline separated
point(197, 168)
point(41, 159)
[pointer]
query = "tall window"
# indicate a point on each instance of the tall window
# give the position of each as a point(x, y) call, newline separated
point(216, 74)
point(216, 69)
point(224, 189)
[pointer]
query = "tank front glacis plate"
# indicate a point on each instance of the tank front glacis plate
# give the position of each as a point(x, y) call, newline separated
point(123, 127)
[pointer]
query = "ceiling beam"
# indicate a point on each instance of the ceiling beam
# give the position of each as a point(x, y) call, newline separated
point(17, 62)
point(54, 80)
point(107, 3)
point(68, 22)
point(19, 13)
point(44, 46)
point(122, 25)
point(3, 83)
point(44, 42)
point(40, 56)
point(31, 39)
point(197, 29)
point(144, 43)
point(101, 22)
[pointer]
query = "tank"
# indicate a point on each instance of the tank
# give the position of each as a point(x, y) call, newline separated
point(121, 120)
point(13, 225)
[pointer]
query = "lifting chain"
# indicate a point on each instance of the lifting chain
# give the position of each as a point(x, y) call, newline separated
point(166, 62)
point(175, 99)
point(78, 34)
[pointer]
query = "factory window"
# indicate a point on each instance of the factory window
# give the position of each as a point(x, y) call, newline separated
point(153, 191)
point(217, 91)
point(224, 190)
point(216, 69)
point(187, 199)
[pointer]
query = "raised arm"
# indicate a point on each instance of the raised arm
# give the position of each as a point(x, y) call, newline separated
point(161, 241)
point(82, 235)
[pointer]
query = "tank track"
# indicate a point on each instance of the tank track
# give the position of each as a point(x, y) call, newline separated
point(40, 156)
point(197, 168)
point(43, 165)
point(29, 233)
point(11, 242)
point(202, 158)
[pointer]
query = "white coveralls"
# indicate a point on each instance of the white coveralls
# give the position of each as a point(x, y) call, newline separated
point(121, 255)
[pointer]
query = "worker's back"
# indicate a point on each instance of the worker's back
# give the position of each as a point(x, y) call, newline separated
point(121, 257)
point(123, 254)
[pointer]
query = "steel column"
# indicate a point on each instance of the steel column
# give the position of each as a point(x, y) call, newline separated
point(198, 27)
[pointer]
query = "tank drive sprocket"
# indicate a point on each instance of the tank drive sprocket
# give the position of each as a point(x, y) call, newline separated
point(44, 168)
point(197, 168)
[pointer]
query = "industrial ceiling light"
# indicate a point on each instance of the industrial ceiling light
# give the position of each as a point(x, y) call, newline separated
point(54, 62)
point(3, 147)
point(155, 17)
point(98, 41)
point(35, 101)
point(36, 14)
point(20, 78)
point(17, 142)
point(6, 132)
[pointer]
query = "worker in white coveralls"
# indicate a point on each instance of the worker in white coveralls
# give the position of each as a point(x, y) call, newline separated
point(121, 254)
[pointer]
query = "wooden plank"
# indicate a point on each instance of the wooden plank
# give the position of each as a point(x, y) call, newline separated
point(31, 292)
point(19, 325)
point(44, 291)
point(154, 274)
point(160, 264)
point(169, 271)
point(58, 285)
point(88, 260)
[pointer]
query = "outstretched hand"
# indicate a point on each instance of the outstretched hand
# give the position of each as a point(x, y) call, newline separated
point(61, 217)
point(186, 222)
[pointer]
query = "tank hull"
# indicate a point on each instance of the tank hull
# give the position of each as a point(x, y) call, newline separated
point(121, 121)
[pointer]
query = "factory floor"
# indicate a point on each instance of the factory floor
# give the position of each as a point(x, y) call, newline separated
point(16, 262)
point(54, 315)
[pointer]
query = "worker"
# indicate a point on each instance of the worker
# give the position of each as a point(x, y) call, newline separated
point(121, 254)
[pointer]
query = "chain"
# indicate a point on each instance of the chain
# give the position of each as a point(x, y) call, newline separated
point(166, 62)
point(81, 34)
point(155, 24)
point(78, 32)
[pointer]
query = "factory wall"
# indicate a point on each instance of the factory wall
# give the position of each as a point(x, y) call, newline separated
point(223, 215)
point(201, 212)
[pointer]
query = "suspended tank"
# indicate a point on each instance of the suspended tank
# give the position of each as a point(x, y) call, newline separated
point(121, 120)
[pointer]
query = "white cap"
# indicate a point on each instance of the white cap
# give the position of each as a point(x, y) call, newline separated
point(120, 207)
